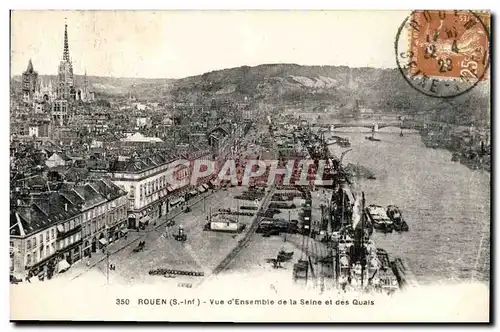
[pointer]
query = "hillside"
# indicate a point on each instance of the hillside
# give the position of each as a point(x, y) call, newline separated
point(328, 87)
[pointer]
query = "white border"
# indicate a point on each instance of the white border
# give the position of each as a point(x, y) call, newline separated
point(185, 4)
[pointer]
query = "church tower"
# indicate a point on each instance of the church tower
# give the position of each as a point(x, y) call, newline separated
point(30, 81)
point(65, 92)
point(84, 93)
point(213, 112)
point(65, 88)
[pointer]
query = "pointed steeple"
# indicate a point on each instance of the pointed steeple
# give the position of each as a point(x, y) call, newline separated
point(85, 82)
point(30, 66)
point(66, 44)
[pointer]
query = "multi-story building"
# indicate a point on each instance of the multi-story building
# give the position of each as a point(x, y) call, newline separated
point(103, 212)
point(150, 196)
point(205, 157)
point(36, 245)
point(50, 230)
point(220, 142)
point(38, 127)
point(115, 211)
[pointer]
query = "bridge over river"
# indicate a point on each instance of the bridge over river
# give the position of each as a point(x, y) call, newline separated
point(405, 124)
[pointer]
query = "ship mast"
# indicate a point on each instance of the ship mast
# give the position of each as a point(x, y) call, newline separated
point(342, 215)
point(363, 260)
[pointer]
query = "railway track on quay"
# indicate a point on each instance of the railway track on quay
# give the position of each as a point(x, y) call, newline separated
point(251, 231)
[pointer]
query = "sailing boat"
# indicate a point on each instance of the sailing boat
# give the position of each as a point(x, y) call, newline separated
point(372, 137)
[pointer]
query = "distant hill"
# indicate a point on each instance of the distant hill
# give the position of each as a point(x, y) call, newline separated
point(330, 87)
point(306, 87)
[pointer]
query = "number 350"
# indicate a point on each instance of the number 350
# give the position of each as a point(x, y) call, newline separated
point(122, 301)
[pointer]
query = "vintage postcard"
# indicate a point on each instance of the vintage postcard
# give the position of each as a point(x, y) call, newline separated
point(250, 166)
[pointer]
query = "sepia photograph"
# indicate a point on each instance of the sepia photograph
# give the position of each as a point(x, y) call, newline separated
point(250, 166)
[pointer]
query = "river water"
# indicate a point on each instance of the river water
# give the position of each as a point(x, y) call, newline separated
point(446, 205)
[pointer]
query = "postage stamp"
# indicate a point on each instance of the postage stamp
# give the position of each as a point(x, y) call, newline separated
point(444, 53)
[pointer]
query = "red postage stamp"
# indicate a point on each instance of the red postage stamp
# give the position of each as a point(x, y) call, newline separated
point(449, 44)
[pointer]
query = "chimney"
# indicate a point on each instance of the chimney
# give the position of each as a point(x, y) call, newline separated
point(65, 206)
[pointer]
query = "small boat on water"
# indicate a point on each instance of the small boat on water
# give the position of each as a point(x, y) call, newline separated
point(344, 142)
point(394, 213)
point(332, 140)
point(388, 274)
point(341, 141)
point(378, 217)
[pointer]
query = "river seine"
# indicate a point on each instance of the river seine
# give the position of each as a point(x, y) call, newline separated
point(446, 205)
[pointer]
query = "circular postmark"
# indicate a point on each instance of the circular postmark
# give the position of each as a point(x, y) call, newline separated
point(443, 53)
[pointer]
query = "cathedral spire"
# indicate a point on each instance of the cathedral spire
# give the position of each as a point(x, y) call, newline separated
point(66, 44)
point(30, 66)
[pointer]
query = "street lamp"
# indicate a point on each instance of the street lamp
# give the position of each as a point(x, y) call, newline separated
point(107, 254)
point(287, 227)
point(107, 265)
point(238, 212)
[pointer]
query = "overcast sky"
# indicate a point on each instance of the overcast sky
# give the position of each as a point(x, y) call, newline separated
point(168, 44)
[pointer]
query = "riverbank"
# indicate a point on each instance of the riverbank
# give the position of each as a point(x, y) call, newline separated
point(446, 205)
point(464, 143)
point(469, 149)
